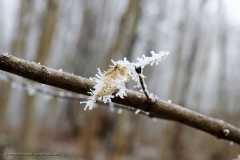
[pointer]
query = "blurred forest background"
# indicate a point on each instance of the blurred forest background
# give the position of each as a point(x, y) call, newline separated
point(79, 36)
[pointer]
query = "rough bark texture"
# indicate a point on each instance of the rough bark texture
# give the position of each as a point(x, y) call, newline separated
point(159, 109)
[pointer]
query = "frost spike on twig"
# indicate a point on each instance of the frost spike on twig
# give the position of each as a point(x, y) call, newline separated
point(151, 60)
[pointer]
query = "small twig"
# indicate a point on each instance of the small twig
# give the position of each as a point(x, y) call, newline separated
point(144, 88)
point(139, 72)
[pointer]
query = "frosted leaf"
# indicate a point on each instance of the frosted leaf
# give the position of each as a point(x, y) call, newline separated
point(107, 83)
point(117, 76)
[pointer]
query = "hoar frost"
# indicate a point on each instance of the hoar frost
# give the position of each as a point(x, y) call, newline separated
point(117, 76)
point(226, 132)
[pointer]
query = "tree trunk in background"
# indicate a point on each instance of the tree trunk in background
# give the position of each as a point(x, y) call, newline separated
point(123, 45)
point(67, 48)
point(18, 50)
point(222, 71)
point(176, 131)
point(19, 44)
point(89, 137)
point(126, 34)
point(28, 131)
point(222, 89)
point(177, 144)
point(48, 29)
point(48, 126)
point(86, 54)
point(4, 88)
point(167, 144)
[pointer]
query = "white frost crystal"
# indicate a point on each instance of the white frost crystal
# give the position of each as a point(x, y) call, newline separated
point(226, 132)
point(117, 76)
point(137, 111)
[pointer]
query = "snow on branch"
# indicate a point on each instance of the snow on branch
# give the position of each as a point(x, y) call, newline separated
point(157, 109)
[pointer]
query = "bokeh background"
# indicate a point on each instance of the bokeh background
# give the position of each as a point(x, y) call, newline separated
point(79, 36)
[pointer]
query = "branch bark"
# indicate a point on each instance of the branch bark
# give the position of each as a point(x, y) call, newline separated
point(159, 109)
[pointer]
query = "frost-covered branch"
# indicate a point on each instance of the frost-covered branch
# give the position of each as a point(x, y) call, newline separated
point(158, 109)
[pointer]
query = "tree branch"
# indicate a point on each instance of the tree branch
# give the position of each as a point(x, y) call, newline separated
point(158, 109)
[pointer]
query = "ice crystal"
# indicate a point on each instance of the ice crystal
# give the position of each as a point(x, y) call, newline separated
point(117, 76)
point(226, 132)
point(156, 57)
point(137, 111)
